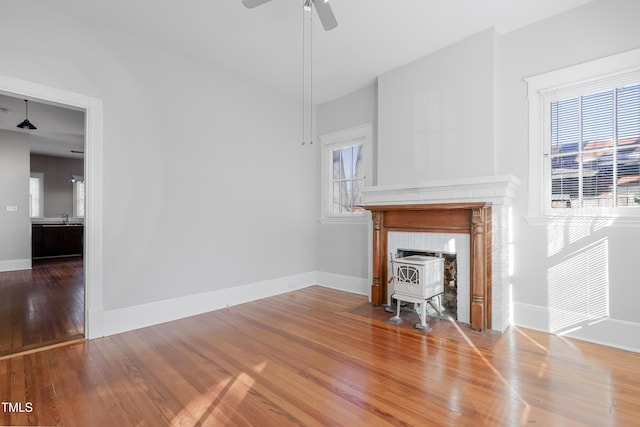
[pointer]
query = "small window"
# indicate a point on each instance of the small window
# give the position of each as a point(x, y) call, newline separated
point(347, 178)
point(346, 169)
point(78, 197)
point(36, 202)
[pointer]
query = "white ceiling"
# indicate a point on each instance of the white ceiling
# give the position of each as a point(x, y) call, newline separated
point(60, 130)
point(264, 44)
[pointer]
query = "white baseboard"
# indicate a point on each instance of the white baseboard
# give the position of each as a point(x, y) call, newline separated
point(140, 316)
point(116, 321)
point(610, 332)
point(94, 323)
point(355, 285)
point(15, 264)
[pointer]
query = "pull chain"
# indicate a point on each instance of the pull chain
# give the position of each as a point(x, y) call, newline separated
point(305, 9)
point(303, 74)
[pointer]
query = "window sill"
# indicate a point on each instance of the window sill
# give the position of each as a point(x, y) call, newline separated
point(359, 219)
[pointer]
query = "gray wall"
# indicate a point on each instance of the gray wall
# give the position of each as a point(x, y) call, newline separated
point(58, 191)
point(15, 227)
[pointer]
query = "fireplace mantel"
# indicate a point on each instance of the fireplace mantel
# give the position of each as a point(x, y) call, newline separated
point(491, 190)
point(475, 206)
point(470, 218)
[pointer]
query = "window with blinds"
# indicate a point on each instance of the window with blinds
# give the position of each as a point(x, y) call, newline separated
point(592, 139)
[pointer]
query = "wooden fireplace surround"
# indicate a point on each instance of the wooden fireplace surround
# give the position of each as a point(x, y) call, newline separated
point(465, 218)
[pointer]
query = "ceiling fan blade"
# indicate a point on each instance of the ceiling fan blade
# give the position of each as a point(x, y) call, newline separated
point(253, 3)
point(327, 18)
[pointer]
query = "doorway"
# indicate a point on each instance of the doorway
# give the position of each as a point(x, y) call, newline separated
point(89, 272)
point(45, 306)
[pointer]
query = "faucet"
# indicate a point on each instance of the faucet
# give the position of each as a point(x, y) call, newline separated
point(65, 218)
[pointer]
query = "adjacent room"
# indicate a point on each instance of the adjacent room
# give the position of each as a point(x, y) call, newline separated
point(217, 212)
point(42, 286)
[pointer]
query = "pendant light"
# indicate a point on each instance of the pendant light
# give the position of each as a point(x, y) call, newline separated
point(26, 124)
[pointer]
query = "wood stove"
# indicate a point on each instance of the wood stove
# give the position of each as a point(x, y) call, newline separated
point(419, 280)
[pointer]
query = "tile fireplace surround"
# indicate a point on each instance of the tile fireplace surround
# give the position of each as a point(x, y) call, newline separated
point(480, 207)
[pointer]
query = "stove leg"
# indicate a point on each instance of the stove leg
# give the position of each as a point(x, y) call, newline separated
point(396, 319)
point(423, 316)
point(389, 308)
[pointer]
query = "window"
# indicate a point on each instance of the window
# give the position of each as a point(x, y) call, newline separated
point(346, 169)
point(593, 143)
point(78, 197)
point(36, 202)
point(347, 178)
point(585, 139)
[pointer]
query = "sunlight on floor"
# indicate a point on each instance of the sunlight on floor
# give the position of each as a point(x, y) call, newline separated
point(524, 417)
point(231, 391)
point(531, 340)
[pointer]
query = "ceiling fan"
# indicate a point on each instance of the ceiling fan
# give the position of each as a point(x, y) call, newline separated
point(323, 9)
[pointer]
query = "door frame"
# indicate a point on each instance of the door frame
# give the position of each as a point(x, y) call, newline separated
point(93, 311)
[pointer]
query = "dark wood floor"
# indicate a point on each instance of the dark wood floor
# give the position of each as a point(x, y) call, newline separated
point(303, 358)
point(41, 306)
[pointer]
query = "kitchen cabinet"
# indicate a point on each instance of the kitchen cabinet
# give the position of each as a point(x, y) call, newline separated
point(50, 240)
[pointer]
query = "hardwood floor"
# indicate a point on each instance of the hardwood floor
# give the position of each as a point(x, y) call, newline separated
point(41, 306)
point(303, 358)
point(440, 327)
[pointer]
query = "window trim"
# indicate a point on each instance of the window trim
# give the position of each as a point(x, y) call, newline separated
point(539, 211)
point(328, 143)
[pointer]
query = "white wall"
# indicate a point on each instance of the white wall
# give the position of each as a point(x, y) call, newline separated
point(206, 185)
point(436, 115)
point(15, 227)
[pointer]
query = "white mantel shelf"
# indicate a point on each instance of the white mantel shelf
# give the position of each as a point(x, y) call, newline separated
point(499, 190)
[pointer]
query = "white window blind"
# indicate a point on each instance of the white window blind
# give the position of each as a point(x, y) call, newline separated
point(592, 143)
